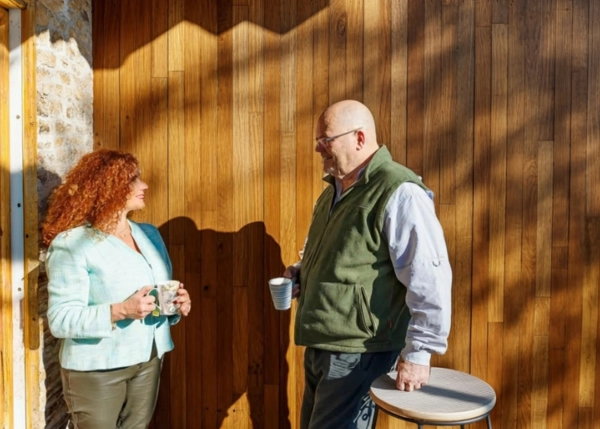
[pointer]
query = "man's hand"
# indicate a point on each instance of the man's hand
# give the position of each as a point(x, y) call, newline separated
point(411, 376)
point(293, 273)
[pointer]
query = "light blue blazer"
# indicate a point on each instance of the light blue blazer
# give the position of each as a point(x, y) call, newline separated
point(89, 270)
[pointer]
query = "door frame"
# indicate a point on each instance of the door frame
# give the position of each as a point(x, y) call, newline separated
point(19, 250)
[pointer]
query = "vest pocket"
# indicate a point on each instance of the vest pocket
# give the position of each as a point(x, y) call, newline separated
point(364, 311)
point(334, 314)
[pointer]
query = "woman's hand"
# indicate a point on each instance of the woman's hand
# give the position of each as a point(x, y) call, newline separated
point(137, 306)
point(184, 301)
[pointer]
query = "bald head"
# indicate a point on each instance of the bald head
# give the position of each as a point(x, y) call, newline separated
point(346, 139)
point(349, 115)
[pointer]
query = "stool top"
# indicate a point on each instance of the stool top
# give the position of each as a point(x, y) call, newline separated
point(449, 396)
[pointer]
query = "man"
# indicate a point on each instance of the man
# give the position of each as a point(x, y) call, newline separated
point(374, 280)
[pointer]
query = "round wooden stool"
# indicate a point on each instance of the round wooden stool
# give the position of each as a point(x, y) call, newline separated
point(450, 398)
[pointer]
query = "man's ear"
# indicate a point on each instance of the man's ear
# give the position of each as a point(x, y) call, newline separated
point(360, 139)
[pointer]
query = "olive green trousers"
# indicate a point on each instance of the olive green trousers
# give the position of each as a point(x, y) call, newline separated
point(121, 398)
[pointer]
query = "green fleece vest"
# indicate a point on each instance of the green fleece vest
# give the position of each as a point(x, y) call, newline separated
point(351, 300)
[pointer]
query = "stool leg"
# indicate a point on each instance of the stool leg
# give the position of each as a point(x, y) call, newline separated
point(375, 414)
point(489, 422)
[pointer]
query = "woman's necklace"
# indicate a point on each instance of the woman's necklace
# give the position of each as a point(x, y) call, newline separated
point(123, 234)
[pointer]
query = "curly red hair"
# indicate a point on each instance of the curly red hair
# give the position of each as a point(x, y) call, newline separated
point(95, 191)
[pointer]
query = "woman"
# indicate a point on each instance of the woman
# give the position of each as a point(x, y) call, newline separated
point(101, 267)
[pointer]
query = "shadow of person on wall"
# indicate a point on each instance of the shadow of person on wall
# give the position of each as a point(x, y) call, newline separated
point(229, 360)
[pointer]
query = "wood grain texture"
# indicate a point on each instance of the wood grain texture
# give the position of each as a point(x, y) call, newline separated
point(13, 4)
point(6, 383)
point(32, 323)
point(497, 215)
point(493, 102)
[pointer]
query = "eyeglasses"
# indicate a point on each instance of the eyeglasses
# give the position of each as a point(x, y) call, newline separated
point(325, 141)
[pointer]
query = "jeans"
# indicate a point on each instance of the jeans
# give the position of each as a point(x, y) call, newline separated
point(336, 392)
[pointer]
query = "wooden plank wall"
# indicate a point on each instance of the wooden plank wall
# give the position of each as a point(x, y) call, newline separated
point(6, 349)
point(495, 103)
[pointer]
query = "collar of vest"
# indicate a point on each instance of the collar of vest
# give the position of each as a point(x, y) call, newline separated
point(382, 155)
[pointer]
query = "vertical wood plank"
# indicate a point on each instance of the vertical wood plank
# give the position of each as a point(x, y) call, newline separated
point(175, 40)
point(593, 108)
point(245, 198)
point(544, 223)
point(557, 335)
point(526, 292)
point(289, 45)
point(177, 145)
point(399, 74)
point(147, 154)
point(539, 401)
point(160, 38)
point(547, 49)
point(541, 325)
point(305, 128)
point(257, 294)
point(98, 52)
point(447, 133)
point(240, 410)
point(562, 120)
point(589, 316)
point(273, 198)
point(594, 278)
point(31, 329)
point(207, 198)
point(178, 398)
point(499, 89)
point(465, 114)
point(225, 215)
point(514, 204)
point(416, 47)
point(495, 368)
point(337, 50)
point(433, 121)
point(289, 189)
point(560, 210)
point(573, 314)
point(585, 418)
point(176, 208)
point(245, 163)
point(107, 60)
point(127, 77)
point(6, 384)
point(321, 95)
point(481, 197)
point(500, 12)
point(355, 54)
point(377, 75)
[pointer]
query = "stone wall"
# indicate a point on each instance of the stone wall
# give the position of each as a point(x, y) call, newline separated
point(64, 87)
point(65, 112)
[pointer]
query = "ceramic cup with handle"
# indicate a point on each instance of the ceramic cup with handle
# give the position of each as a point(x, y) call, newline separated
point(164, 294)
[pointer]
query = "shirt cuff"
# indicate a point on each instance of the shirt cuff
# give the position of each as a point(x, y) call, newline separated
point(420, 357)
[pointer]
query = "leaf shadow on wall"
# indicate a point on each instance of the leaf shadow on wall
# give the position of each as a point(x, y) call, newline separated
point(229, 361)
